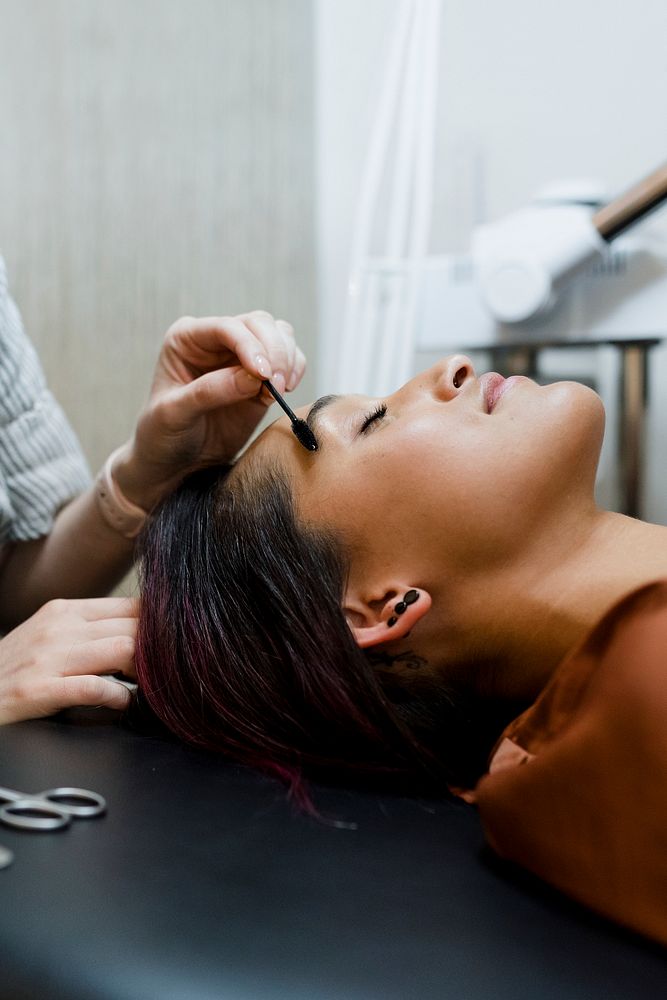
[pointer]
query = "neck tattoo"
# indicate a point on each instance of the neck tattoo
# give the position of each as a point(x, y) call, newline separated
point(406, 659)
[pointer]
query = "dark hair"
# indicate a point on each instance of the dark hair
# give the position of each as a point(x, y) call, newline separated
point(243, 647)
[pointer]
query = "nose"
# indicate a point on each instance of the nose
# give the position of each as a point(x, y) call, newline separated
point(445, 380)
point(451, 374)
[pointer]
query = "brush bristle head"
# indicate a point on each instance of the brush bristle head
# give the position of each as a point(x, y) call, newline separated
point(304, 435)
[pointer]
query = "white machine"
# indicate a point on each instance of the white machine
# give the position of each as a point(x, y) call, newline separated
point(562, 269)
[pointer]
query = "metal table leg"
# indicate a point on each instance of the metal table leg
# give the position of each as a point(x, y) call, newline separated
point(632, 408)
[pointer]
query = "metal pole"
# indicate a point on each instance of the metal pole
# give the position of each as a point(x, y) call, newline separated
point(631, 423)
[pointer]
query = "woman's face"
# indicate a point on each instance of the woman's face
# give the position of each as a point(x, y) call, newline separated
point(452, 474)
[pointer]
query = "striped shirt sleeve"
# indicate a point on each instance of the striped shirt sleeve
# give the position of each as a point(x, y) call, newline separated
point(41, 462)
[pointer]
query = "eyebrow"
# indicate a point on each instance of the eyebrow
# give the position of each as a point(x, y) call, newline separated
point(312, 417)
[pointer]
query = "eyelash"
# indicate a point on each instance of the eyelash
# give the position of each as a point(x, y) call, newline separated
point(377, 414)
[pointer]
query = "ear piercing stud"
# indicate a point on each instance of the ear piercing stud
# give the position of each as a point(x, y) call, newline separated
point(408, 598)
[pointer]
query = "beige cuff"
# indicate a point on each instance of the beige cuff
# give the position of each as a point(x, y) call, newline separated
point(118, 512)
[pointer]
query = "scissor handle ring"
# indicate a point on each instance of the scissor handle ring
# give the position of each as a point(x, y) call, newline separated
point(50, 817)
point(92, 804)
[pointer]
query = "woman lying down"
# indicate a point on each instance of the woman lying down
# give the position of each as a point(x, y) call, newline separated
point(432, 598)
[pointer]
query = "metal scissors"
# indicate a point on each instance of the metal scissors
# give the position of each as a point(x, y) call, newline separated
point(53, 809)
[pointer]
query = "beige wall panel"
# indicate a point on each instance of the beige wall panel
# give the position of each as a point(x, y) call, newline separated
point(156, 159)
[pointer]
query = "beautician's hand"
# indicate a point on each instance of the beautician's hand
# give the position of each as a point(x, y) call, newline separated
point(206, 399)
point(54, 659)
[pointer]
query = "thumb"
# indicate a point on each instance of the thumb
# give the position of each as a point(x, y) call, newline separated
point(70, 692)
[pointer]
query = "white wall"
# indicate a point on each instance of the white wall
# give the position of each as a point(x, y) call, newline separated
point(529, 92)
point(156, 159)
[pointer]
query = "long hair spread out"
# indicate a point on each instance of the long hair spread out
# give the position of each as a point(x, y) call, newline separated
point(243, 647)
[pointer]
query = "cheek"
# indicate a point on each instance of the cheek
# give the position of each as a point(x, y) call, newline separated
point(477, 491)
point(554, 441)
point(540, 461)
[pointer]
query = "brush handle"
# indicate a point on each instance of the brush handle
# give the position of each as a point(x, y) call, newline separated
point(280, 401)
point(301, 430)
point(631, 206)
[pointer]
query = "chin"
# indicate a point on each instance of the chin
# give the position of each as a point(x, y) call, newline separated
point(577, 419)
point(577, 404)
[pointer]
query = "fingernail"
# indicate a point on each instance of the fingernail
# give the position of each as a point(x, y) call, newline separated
point(279, 381)
point(291, 382)
point(263, 366)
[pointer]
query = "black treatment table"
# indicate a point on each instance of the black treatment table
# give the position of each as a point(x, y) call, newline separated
point(202, 882)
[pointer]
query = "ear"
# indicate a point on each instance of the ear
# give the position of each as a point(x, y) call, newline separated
point(376, 621)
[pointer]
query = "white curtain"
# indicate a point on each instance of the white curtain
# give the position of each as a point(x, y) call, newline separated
point(392, 222)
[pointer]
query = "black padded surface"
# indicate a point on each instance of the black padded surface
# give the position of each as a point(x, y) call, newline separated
point(201, 882)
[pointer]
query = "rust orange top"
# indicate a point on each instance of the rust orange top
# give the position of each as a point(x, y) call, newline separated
point(577, 785)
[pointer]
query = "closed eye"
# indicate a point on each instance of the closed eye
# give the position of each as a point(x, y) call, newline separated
point(375, 415)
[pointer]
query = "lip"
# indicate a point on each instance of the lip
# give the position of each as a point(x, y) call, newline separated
point(494, 387)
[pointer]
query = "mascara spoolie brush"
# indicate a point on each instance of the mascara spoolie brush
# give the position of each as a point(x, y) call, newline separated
point(300, 428)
